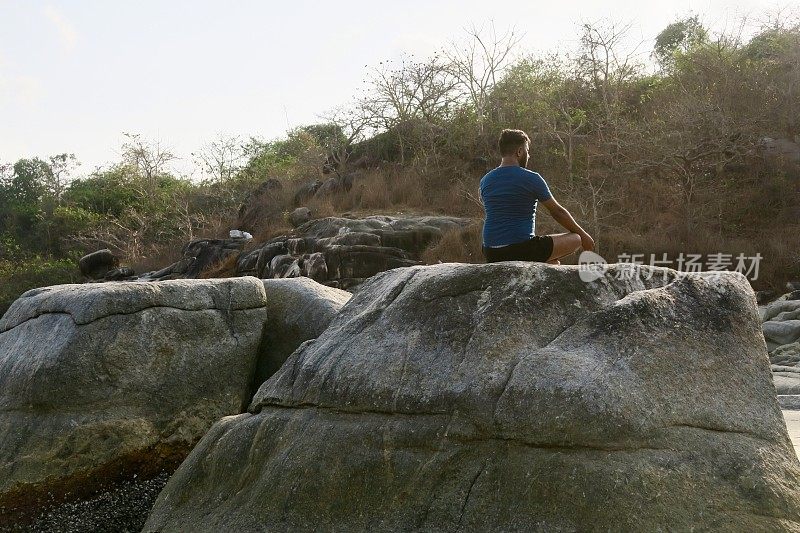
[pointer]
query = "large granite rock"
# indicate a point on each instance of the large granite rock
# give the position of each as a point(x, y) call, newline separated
point(509, 397)
point(100, 382)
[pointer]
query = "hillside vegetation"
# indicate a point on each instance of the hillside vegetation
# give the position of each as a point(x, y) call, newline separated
point(688, 148)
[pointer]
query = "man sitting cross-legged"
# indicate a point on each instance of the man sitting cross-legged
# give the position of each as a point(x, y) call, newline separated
point(509, 194)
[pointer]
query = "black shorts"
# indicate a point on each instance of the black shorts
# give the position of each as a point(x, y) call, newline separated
point(538, 248)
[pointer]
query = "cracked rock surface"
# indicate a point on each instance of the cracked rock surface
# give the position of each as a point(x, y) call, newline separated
point(102, 382)
point(298, 309)
point(510, 396)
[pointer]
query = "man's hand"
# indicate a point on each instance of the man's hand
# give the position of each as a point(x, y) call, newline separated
point(563, 217)
point(587, 243)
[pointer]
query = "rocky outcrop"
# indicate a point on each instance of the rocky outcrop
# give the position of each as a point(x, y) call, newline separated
point(343, 252)
point(781, 328)
point(101, 382)
point(332, 185)
point(337, 251)
point(196, 257)
point(513, 397)
point(785, 361)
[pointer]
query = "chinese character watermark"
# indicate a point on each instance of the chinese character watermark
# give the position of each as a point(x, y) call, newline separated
point(593, 266)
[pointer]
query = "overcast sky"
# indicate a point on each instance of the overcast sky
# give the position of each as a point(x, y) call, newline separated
point(76, 74)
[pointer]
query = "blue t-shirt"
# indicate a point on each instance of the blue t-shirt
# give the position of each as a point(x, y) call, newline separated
point(509, 195)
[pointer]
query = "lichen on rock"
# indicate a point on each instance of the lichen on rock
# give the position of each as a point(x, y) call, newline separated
point(510, 396)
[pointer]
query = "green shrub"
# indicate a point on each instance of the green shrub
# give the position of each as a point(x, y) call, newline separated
point(16, 277)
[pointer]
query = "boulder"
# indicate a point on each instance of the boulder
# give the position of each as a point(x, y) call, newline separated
point(508, 397)
point(781, 321)
point(352, 249)
point(781, 309)
point(765, 296)
point(360, 261)
point(247, 262)
point(297, 245)
point(334, 185)
point(96, 264)
point(349, 238)
point(328, 187)
point(199, 255)
point(299, 216)
point(100, 382)
point(786, 379)
point(785, 364)
point(119, 274)
point(779, 332)
point(305, 192)
point(786, 355)
point(298, 309)
point(409, 234)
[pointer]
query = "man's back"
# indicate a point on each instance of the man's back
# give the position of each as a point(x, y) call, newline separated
point(509, 195)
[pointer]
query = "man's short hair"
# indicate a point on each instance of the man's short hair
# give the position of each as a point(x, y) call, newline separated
point(511, 140)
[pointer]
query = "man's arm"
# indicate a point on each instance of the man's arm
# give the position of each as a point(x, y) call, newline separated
point(563, 217)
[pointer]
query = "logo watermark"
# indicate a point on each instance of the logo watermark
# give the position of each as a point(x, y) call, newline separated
point(593, 266)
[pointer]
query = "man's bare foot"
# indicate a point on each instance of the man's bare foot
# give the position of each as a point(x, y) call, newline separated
point(554, 262)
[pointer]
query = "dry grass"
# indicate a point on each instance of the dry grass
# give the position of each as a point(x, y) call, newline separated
point(457, 246)
point(755, 214)
point(158, 258)
point(779, 250)
point(266, 211)
point(403, 189)
point(322, 207)
point(269, 229)
point(221, 269)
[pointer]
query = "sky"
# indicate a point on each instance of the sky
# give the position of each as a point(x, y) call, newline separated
point(75, 75)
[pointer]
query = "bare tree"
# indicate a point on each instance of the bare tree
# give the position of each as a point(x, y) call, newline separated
point(479, 62)
point(189, 220)
point(690, 142)
point(353, 122)
point(148, 157)
point(61, 165)
point(221, 158)
point(415, 92)
point(565, 118)
point(609, 68)
point(593, 197)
